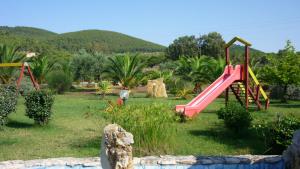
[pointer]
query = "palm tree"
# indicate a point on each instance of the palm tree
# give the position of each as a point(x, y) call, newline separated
point(217, 67)
point(41, 67)
point(125, 70)
point(9, 54)
point(195, 69)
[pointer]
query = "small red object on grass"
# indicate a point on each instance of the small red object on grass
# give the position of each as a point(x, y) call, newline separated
point(120, 102)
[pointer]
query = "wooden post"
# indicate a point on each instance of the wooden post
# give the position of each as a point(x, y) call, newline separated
point(227, 63)
point(227, 55)
point(246, 80)
point(257, 92)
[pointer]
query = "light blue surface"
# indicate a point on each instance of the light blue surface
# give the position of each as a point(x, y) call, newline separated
point(267, 24)
point(279, 165)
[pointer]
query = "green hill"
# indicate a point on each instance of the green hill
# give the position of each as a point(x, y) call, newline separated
point(237, 53)
point(100, 40)
point(241, 49)
point(26, 32)
point(35, 39)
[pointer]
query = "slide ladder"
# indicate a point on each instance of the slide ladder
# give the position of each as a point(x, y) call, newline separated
point(257, 94)
point(238, 88)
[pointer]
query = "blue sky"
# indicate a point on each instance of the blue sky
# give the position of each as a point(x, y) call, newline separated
point(265, 23)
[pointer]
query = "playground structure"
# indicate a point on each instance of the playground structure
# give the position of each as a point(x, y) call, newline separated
point(240, 80)
point(24, 66)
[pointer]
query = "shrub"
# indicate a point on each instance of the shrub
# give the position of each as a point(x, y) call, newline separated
point(38, 106)
point(278, 133)
point(104, 87)
point(235, 117)
point(59, 81)
point(151, 125)
point(184, 93)
point(8, 101)
point(175, 84)
point(293, 92)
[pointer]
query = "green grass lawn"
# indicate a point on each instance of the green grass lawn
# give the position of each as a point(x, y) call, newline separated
point(76, 128)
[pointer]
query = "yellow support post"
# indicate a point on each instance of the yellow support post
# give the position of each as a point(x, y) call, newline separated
point(257, 83)
point(11, 64)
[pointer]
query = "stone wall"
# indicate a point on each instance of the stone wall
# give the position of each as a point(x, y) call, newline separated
point(155, 162)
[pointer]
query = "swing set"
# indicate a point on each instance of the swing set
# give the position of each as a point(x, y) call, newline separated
point(24, 66)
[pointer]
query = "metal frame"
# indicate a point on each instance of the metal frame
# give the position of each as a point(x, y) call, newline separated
point(22, 65)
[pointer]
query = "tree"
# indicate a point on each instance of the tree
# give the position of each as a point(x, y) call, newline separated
point(200, 70)
point(82, 66)
point(183, 46)
point(124, 69)
point(86, 66)
point(212, 45)
point(283, 69)
point(40, 68)
point(195, 69)
point(9, 54)
point(216, 67)
point(99, 65)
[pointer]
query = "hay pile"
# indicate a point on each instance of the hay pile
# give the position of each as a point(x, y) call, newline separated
point(156, 88)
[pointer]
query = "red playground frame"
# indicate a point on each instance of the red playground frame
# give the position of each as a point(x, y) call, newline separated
point(23, 66)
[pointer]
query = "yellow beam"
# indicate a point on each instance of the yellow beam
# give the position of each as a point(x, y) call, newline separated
point(257, 83)
point(238, 39)
point(11, 64)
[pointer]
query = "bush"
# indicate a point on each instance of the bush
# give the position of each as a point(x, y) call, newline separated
point(8, 101)
point(293, 92)
point(38, 106)
point(59, 81)
point(235, 117)
point(104, 87)
point(152, 126)
point(184, 93)
point(278, 133)
point(175, 84)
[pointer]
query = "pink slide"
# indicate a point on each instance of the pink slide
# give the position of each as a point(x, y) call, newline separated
point(211, 92)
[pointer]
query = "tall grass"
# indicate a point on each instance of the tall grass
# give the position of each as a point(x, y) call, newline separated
point(153, 126)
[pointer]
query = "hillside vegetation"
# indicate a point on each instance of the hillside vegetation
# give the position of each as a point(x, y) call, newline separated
point(35, 39)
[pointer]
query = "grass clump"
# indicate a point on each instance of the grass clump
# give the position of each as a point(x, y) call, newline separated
point(151, 125)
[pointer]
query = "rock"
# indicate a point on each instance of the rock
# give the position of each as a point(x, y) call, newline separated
point(292, 154)
point(232, 160)
point(274, 159)
point(116, 149)
point(156, 88)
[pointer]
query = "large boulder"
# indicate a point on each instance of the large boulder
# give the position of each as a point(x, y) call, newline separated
point(156, 88)
point(292, 154)
point(116, 149)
